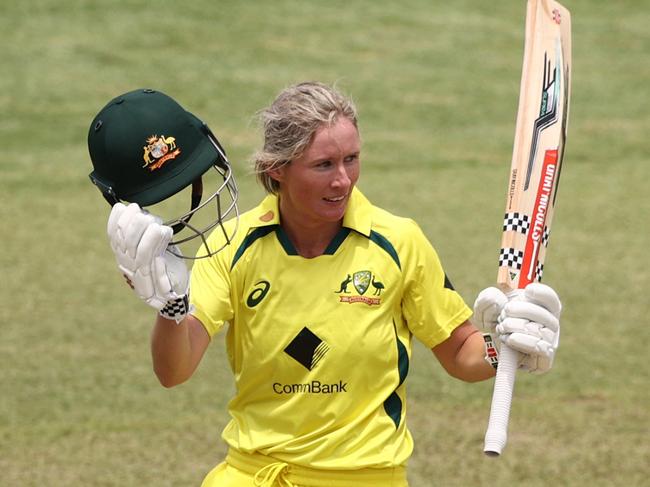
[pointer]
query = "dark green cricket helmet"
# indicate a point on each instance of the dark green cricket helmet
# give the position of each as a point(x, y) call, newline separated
point(145, 147)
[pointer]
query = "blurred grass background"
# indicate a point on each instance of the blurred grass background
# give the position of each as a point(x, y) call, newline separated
point(437, 85)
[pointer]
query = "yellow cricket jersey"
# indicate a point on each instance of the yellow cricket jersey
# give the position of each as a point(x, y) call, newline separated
point(320, 347)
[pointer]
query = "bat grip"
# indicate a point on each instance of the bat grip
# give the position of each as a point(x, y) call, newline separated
point(504, 384)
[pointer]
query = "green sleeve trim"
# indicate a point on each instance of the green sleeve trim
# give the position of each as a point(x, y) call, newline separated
point(250, 239)
point(385, 244)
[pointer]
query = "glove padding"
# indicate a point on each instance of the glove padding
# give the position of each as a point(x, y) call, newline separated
point(139, 241)
point(487, 308)
point(527, 322)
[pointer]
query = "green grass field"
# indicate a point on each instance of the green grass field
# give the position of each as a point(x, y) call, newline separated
point(437, 85)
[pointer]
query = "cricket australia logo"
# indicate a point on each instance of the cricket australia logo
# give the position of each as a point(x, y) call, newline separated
point(158, 151)
point(361, 281)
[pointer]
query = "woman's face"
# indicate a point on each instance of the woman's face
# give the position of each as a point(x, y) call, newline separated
point(315, 187)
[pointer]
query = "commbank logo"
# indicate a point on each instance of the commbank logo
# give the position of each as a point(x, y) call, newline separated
point(307, 348)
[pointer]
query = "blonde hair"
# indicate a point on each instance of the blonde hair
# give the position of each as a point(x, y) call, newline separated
point(290, 122)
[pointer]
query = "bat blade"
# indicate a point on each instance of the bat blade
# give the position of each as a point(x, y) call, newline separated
point(538, 153)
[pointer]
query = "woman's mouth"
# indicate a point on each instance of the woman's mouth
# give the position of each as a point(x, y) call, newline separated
point(335, 199)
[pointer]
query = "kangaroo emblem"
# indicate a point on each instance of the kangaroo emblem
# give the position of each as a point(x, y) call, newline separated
point(344, 285)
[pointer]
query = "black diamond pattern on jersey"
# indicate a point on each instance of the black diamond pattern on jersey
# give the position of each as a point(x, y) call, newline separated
point(307, 348)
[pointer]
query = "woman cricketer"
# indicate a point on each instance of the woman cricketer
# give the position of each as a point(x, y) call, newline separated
point(320, 294)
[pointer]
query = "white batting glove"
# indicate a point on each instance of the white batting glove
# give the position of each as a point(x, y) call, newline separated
point(139, 241)
point(487, 308)
point(527, 322)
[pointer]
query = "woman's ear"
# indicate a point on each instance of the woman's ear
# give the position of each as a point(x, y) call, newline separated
point(277, 174)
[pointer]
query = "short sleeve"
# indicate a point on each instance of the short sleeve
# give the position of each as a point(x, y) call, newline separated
point(210, 286)
point(430, 304)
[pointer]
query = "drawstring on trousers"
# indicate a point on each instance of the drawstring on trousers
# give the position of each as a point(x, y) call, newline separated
point(272, 473)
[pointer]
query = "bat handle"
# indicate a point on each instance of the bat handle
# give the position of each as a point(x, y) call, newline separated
point(504, 384)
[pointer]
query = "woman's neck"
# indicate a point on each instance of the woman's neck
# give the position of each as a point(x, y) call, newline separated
point(310, 240)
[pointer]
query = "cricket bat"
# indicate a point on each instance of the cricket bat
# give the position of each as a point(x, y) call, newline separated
point(540, 136)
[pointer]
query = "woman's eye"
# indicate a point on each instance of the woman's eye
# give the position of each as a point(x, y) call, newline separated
point(352, 158)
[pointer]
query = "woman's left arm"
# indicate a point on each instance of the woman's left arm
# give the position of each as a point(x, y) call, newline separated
point(463, 354)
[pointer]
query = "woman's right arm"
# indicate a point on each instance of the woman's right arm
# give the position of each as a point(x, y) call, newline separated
point(177, 349)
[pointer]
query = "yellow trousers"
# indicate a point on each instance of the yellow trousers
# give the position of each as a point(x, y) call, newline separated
point(256, 470)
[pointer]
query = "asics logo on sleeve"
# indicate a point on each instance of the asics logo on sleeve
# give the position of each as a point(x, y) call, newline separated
point(258, 293)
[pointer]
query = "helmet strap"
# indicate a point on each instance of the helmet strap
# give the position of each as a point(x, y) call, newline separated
point(197, 194)
point(110, 197)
